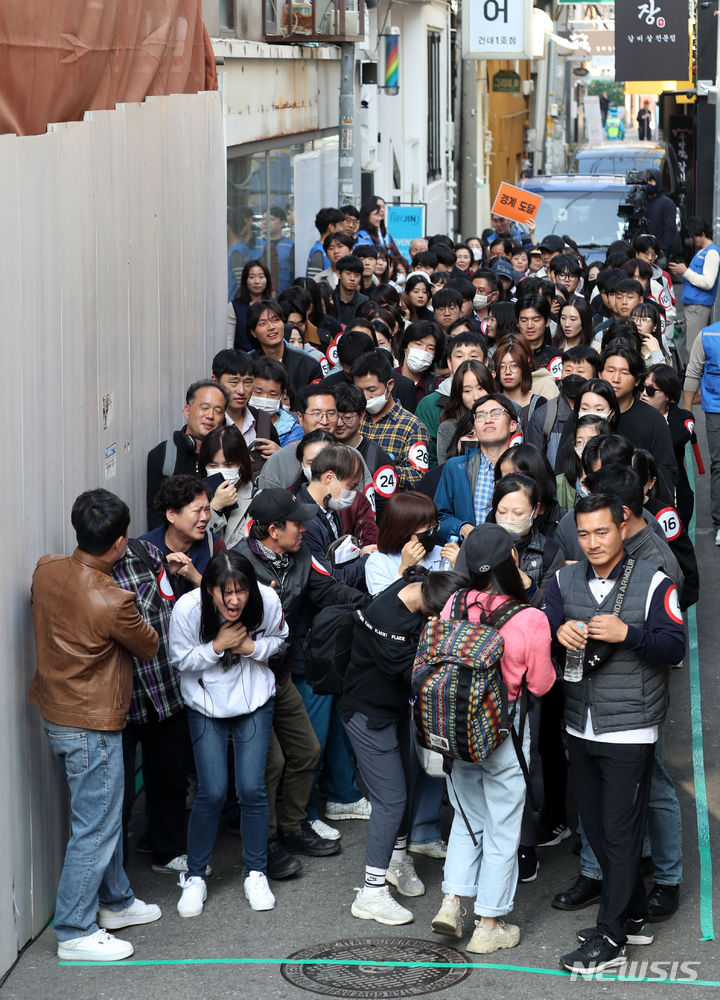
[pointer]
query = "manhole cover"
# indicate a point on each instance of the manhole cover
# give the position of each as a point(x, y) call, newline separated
point(366, 977)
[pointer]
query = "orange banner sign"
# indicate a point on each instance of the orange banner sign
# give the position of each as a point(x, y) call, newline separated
point(516, 204)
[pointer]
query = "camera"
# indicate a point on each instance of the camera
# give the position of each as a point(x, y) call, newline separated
point(633, 209)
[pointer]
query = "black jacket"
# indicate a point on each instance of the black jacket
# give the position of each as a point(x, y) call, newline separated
point(377, 680)
point(301, 368)
point(302, 589)
point(319, 536)
point(186, 463)
point(660, 216)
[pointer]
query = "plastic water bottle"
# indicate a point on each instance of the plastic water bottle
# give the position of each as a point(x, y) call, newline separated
point(445, 563)
point(574, 660)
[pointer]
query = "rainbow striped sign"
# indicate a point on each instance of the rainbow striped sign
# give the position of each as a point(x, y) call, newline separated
point(392, 61)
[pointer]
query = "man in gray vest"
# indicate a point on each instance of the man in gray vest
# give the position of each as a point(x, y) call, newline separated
point(625, 615)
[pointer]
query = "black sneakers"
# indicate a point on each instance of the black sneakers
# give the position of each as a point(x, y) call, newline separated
point(597, 954)
point(304, 840)
point(552, 837)
point(581, 893)
point(663, 901)
point(637, 931)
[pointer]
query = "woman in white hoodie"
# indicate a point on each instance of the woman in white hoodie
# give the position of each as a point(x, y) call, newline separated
point(222, 636)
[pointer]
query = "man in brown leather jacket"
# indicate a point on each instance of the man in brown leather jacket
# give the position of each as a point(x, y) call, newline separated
point(86, 629)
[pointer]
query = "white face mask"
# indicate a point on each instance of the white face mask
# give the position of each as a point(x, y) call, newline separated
point(579, 450)
point(376, 404)
point(517, 528)
point(307, 472)
point(263, 403)
point(477, 253)
point(342, 502)
point(480, 301)
point(226, 471)
point(418, 360)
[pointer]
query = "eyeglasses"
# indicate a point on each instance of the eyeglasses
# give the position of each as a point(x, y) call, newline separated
point(509, 368)
point(348, 418)
point(491, 414)
point(650, 390)
point(321, 414)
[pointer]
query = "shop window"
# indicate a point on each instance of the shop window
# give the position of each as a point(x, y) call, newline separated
point(434, 132)
point(314, 20)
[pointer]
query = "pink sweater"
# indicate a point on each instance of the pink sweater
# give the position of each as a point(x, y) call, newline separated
point(527, 643)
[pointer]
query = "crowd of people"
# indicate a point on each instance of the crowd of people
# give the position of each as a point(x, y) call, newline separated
point(493, 422)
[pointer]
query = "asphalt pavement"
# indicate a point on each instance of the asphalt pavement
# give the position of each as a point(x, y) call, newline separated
point(231, 951)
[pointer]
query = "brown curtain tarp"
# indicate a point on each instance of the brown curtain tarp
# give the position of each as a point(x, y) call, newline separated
point(59, 60)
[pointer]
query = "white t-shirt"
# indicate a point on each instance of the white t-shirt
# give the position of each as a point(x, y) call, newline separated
point(382, 568)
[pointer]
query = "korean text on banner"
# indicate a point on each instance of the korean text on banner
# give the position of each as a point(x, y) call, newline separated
point(516, 204)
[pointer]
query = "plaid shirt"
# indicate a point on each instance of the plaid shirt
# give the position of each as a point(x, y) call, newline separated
point(404, 437)
point(155, 683)
point(484, 486)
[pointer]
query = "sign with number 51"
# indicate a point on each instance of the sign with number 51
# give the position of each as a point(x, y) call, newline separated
point(496, 29)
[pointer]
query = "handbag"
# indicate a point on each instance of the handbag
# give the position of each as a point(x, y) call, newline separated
point(597, 651)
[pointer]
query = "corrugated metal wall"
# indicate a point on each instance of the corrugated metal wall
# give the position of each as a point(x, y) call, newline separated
point(113, 283)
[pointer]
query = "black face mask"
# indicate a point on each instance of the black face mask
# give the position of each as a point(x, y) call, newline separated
point(428, 539)
point(572, 384)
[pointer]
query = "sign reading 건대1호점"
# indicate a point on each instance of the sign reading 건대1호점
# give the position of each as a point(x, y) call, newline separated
point(496, 29)
point(652, 40)
point(516, 203)
point(405, 223)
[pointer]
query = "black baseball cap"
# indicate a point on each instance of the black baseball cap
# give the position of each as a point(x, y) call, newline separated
point(273, 505)
point(553, 243)
point(486, 547)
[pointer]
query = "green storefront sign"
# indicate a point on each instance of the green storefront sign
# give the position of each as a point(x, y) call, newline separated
point(506, 82)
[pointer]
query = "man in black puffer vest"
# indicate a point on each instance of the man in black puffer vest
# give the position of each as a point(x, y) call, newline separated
point(626, 616)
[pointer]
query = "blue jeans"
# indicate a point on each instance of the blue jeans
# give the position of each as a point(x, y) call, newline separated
point(335, 748)
point(664, 826)
point(251, 737)
point(425, 795)
point(93, 873)
point(492, 794)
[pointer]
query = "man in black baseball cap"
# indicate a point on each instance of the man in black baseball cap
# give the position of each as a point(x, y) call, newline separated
point(550, 247)
point(270, 507)
point(282, 560)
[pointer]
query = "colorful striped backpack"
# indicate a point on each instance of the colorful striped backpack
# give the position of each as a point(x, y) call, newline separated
point(460, 700)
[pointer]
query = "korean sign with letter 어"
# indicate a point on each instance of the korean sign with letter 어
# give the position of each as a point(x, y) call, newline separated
point(516, 204)
point(496, 29)
point(652, 40)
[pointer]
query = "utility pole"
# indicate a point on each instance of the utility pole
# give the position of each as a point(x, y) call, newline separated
point(346, 145)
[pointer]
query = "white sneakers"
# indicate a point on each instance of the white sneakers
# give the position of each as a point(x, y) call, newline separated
point(194, 894)
point(376, 903)
point(178, 865)
point(137, 913)
point(717, 537)
point(324, 831)
point(448, 919)
point(486, 940)
point(402, 875)
point(348, 810)
point(258, 893)
point(97, 947)
point(431, 849)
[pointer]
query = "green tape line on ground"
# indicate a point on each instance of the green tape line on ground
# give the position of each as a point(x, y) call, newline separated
point(707, 929)
point(488, 966)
